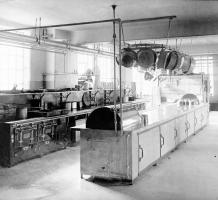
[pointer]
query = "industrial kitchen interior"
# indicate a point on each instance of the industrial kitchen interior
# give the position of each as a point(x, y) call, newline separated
point(108, 99)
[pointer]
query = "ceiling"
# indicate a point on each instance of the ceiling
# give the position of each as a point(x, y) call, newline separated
point(190, 15)
point(24, 12)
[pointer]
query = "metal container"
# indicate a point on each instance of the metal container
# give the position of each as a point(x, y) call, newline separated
point(186, 64)
point(128, 57)
point(21, 112)
point(172, 60)
point(103, 119)
point(146, 58)
point(161, 63)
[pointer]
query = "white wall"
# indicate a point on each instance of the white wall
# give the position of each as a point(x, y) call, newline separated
point(37, 68)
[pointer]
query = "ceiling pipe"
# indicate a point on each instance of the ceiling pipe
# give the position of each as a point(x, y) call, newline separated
point(50, 43)
point(148, 19)
point(63, 46)
point(62, 25)
point(6, 43)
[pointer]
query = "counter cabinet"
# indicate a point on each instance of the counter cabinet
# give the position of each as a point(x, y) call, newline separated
point(107, 154)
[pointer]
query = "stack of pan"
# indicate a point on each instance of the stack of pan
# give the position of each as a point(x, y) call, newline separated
point(146, 58)
point(174, 61)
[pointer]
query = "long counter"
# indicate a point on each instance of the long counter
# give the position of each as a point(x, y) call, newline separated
point(109, 154)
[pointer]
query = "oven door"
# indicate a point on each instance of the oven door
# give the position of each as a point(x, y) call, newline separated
point(24, 135)
point(46, 131)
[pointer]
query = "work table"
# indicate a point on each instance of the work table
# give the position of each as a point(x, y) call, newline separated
point(109, 154)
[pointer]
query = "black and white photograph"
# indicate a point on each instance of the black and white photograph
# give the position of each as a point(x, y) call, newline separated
point(108, 99)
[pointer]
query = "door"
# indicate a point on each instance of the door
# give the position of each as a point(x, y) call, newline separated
point(198, 119)
point(149, 147)
point(181, 129)
point(167, 137)
point(190, 123)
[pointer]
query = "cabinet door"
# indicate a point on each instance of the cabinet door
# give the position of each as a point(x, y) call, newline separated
point(181, 129)
point(190, 123)
point(149, 147)
point(205, 115)
point(167, 137)
point(198, 119)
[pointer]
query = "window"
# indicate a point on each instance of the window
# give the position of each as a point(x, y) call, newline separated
point(204, 64)
point(14, 68)
point(85, 63)
point(105, 68)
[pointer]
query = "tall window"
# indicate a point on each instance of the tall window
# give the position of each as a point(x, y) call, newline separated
point(85, 62)
point(105, 68)
point(204, 64)
point(14, 68)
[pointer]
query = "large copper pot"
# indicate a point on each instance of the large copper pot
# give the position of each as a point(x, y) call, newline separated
point(162, 58)
point(128, 57)
point(172, 60)
point(146, 58)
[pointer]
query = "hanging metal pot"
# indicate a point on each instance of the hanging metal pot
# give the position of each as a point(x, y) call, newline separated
point(128, 57)
point(162, 59)
point(86, 100)
point(186, 64)
point(146, 58)
point(172, 60)
point(148, 76)
point(179, 61)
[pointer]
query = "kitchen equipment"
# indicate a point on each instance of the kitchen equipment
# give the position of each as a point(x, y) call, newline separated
point(47, 113)
point(148, 76)
point(186, 64)
point(128, 57)
point(146, 58)
point(162, 59)
point(103, 119)
point(27, 139)
point(35, 104)
point(7, 112)
point(86, 100)
point(172, 60)
point(179, 60)
point(69, 106)
point(99, 98)
point(21, 112)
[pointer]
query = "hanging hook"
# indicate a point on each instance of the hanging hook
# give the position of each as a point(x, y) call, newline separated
point(168, 32)
point(36, 30)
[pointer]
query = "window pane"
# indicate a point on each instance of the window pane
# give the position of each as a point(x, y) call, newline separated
point(204, 64)
point(12, 69)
